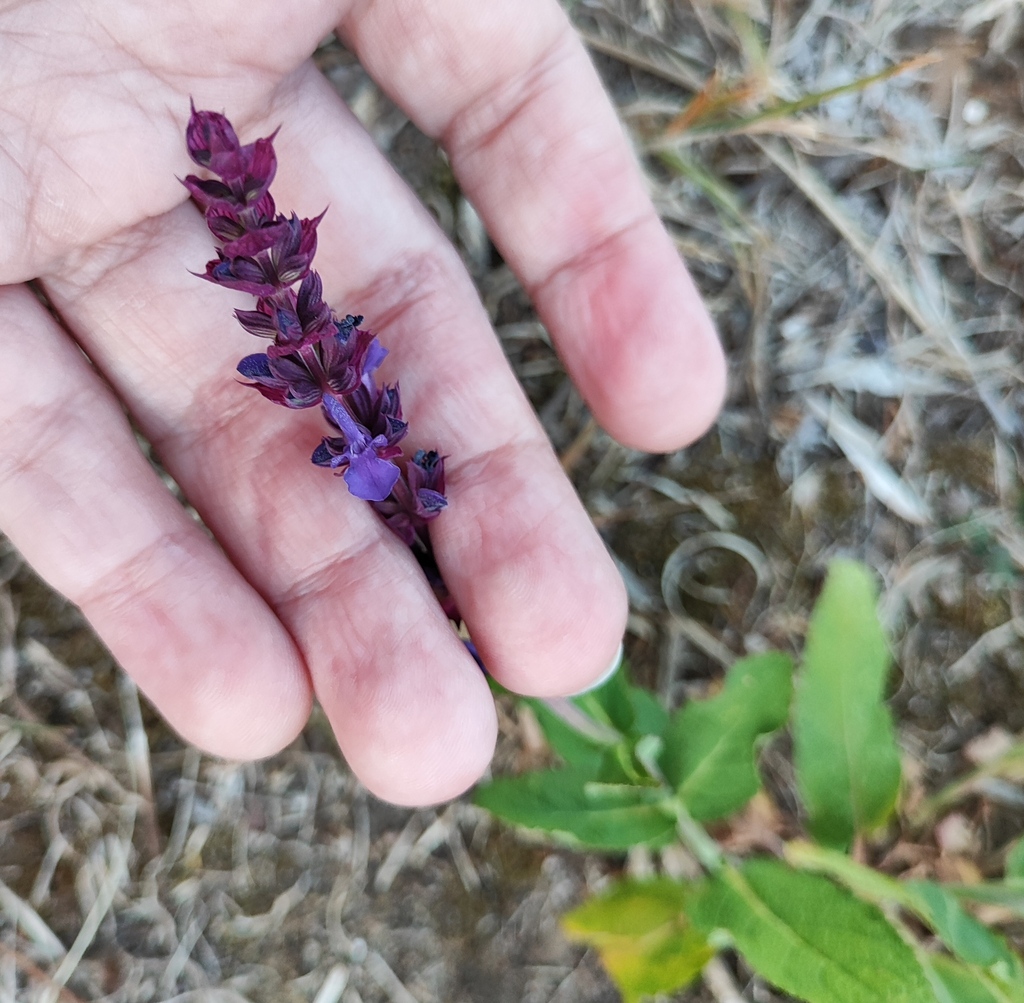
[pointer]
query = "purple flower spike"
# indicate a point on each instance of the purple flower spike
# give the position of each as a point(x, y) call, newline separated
point(314, 357)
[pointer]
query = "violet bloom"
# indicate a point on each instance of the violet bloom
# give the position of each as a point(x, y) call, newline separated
point(363, 454)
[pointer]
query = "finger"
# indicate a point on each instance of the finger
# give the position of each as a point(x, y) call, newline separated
point(87, 512)
point(535, 143)
point(533, 580)
point(411, 709)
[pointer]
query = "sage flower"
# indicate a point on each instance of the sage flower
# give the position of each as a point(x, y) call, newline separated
point(315, 356)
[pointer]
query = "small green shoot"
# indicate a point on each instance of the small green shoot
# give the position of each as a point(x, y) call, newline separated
point(818, 924)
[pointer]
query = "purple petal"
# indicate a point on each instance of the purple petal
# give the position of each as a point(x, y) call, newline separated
point(310, 294)
point(376, 353)
point(256, 322)
point(288, 326)
point(223, 223)
point(371, 478)
point(430, 502)
point(209, 193)
point(261, 168)
point(255, 367)
point(261, 239)
point(209, 134)
point(339, 416)
point(275, 394)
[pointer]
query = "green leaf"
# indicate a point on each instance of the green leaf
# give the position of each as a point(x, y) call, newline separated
point(1015, 860)
point(643, 937)
point(970, 940)
point(809, 937)
point(1009, 894)
point(863, 881)
point(629, 908)
point(610, 703)
point(632, 710)
point(573, 747)
point(958, 983)
point(649, 716)
point(709, 745)
point(570, 806)
point(847, 762)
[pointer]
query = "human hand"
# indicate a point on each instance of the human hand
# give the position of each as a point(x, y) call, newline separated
point(305, 591)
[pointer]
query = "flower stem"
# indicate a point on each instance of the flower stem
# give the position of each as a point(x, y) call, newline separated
point(696, 839)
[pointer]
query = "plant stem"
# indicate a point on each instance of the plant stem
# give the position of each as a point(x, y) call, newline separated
point(697, 841)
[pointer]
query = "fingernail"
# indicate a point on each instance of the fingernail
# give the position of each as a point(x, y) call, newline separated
point(605, 676)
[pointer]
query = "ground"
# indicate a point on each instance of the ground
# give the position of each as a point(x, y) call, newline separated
point(862, 257)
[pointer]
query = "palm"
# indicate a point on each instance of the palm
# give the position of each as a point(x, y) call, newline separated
point(308, 594)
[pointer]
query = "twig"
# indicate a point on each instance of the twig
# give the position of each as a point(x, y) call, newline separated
point(36, 974)
point(578, 447)
point(468, 873)
point(888, 274)
point(24, 916)
point(382, 973)
point(137, 748)
point(685, 76)
point(116, 873)
point(333, 986)
point(720, 983)
point(398, 855)
point(183, 811)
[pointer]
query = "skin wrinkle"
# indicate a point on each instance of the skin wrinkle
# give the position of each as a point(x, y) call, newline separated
point(32, 173)
point(51, 428)
point(84, 268)
point(534, 535)
point(101, 269)
point(380, 679)
point(632, 404)
point(67, 71)
point(585, 215)
point(582, 261)
point(313, 581)
point(505, 101)
point(381, 654)
point(439, 57)
point(117, 585)
point(694, 366)
point(422, 296)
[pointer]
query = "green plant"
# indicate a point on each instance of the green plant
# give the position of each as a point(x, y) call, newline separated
point(812, 920)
